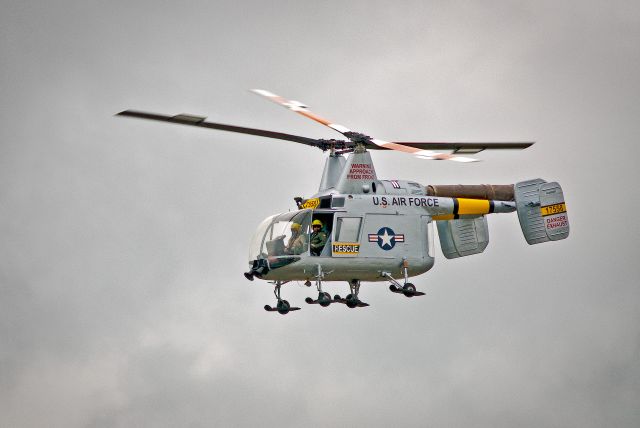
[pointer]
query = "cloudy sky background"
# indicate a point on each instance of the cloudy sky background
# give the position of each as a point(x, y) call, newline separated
point(123, 242)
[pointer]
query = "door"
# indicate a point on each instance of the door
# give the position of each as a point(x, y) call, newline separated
point(346, 236)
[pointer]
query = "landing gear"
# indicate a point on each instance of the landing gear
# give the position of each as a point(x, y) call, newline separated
point(324, 299)
point(352, 300)
point(282, 307)
point(408, 289)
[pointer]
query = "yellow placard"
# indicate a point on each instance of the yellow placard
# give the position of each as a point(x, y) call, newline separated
point(553, 209)
point(310, 203)
point(351, 248)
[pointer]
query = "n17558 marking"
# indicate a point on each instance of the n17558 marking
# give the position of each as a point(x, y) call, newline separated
point(310, 203)
point(553, 209)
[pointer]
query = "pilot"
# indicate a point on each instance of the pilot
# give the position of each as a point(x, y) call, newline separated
point(296, 241)
point(318, 238)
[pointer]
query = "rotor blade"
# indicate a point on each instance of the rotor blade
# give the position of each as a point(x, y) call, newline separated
point(302, 109)
point(467, 148)
point(445, 156)
point(371, 143)
point(186, 119)
point(420, 153)
point(425, 150)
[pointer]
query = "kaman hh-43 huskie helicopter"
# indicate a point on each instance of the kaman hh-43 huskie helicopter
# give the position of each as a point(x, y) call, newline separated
point(367, 229)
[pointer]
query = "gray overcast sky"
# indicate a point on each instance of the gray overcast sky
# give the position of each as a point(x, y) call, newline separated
point(122, 242)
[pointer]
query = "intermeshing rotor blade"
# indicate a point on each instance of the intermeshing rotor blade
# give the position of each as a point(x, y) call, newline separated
point(427, 150)
point(302, 109)
point(421, 153)
point(371, 143)
point(423, 150)
point(186, 119)
point(467, 148)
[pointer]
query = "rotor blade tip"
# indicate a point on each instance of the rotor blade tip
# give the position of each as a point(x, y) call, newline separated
point(263, 92)
point(464, 160)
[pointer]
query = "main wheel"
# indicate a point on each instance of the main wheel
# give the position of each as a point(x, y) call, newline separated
point(324, 299)
point(409, 289)
point(283, 307)
point(352, 301)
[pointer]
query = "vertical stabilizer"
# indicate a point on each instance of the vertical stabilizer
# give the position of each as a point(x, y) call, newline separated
point(542, 211)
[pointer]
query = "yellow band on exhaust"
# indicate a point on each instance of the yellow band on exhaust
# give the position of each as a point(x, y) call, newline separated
point(472, 206)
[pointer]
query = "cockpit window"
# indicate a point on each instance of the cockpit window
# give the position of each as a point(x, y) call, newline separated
point(282, 235)
point(258, 239)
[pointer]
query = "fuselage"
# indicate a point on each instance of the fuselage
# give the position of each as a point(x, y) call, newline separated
point(369, 227)
point(365, 235)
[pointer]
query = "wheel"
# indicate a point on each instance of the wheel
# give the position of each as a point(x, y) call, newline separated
point(352, 301)
point(409, 289)
point(283, 307)
point(324, 299)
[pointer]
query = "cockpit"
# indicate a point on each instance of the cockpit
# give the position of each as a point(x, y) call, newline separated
point(285, 238)
point(282, 236)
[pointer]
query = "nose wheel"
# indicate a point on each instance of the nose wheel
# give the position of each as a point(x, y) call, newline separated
point(282, 307)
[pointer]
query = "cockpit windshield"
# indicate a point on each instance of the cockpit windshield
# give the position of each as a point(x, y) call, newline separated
point(281, 235)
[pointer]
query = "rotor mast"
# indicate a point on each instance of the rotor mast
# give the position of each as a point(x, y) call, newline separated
point(356, 174)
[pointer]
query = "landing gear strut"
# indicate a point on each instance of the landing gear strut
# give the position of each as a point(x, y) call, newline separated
point(352, 300)
point(282, 307)
point(324, 299)
point(408, 289)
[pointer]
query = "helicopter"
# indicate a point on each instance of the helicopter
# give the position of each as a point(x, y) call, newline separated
point(358, 227)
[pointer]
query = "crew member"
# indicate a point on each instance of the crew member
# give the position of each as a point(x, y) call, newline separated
point(295, 245)
point(318, 238)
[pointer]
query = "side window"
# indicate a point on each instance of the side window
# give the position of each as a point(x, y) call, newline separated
point(348, 229)
point(337, 202)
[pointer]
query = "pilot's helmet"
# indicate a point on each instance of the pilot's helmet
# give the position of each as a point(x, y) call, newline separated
point(316, 223)
point(295, 227)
